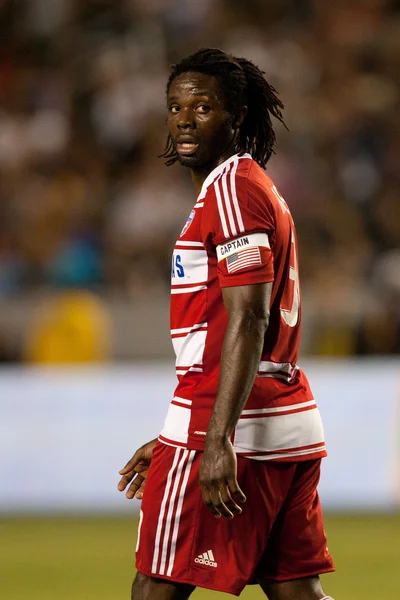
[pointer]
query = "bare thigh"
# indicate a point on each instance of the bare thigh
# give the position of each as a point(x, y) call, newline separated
point(299, 589)
point(149, 588)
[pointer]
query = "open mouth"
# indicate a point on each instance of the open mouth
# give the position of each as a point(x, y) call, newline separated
point(186, 148)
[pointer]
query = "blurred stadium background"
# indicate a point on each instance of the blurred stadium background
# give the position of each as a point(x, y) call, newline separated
point(88, 218)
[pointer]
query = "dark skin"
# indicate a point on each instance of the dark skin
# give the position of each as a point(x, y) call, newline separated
point(204, 135)
point(197, 111)
point(197, 117)
point(248, 309)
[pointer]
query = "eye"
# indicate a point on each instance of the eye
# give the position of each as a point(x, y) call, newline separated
point(174, 109)
point(203, 108)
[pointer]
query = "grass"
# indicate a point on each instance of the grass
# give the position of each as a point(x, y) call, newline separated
point(91, 558)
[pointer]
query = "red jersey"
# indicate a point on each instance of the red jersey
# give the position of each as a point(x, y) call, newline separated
point(240, 232)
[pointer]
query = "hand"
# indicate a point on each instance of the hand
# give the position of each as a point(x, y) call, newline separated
point(219, 486)
point(136, 470)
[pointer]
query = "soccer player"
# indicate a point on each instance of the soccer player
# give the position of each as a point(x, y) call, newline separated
point(231, 493)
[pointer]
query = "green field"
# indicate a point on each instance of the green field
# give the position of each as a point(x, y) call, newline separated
point(91, 559)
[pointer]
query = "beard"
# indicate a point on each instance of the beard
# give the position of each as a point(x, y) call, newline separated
point(191, 161)
point(201, 158)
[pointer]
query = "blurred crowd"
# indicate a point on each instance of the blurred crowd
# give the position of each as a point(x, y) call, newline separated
point(88, 208)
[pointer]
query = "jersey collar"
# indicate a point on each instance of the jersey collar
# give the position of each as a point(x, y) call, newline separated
point(217, 171)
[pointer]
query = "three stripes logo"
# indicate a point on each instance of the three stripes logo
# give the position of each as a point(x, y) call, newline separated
point(207, 559)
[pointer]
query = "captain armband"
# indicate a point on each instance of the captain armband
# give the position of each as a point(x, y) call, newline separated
point(250, 240)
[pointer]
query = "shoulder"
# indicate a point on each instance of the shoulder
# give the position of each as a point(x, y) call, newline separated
point(255, 188)
point(238, 201)
point(242, 186)
point(241, 181)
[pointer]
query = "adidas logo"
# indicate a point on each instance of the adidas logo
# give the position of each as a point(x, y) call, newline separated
point(207, 558)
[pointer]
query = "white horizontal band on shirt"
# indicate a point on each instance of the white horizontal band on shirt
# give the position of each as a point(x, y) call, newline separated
point(188, 290)
point(188, 329)
point(199, 205)
point(191, 369)
point(268, 366)
point(182, 400)
point(190, 244)
point(294, 431)
point(242, 242)
point(274, 376)
point(278, 409)
point(280, 455)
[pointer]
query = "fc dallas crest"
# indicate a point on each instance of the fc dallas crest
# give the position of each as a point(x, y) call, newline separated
point(188, 223)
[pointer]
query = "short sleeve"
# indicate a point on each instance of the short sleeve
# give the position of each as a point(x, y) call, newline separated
point(240, 225)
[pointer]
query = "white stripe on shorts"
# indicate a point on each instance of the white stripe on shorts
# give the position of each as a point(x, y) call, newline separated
point(170, 512)
point(179, 511)
point(162, 511)
point(167, 530)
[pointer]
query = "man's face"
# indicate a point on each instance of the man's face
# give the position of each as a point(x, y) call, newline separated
point(198, 122)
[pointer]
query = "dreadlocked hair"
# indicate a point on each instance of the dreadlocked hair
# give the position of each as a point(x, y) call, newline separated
point(243, 84)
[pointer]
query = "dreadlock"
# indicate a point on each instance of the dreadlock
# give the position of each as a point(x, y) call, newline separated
point(243, 84)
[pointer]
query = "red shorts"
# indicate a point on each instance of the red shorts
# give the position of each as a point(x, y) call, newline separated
point(279, 536)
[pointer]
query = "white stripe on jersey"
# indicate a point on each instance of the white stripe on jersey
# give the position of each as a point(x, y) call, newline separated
point(280, 455)
point(290, 431)
point(182, 330)
point(189, 349)
point(228, 203)
point(278, 409)
point(190, 244)
point(176, 426)
point(221, 210)
point(211, 177)
point(295, 434)
point(275, 376)
point(234, 196)
point(191, 370)
point(188, 290)
point(182, 400)
point(267, 366)
point(189, 266)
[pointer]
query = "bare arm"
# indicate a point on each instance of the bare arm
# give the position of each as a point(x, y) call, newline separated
point(248, 311)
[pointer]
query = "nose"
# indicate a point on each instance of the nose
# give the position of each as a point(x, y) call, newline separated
point(186, 119)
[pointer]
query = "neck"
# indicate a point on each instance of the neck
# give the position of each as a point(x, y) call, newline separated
point(199, 175)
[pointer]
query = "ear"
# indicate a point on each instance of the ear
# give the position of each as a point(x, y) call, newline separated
point(239, 117)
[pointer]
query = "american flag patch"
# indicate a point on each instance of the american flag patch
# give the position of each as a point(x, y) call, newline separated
point(243, 259)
